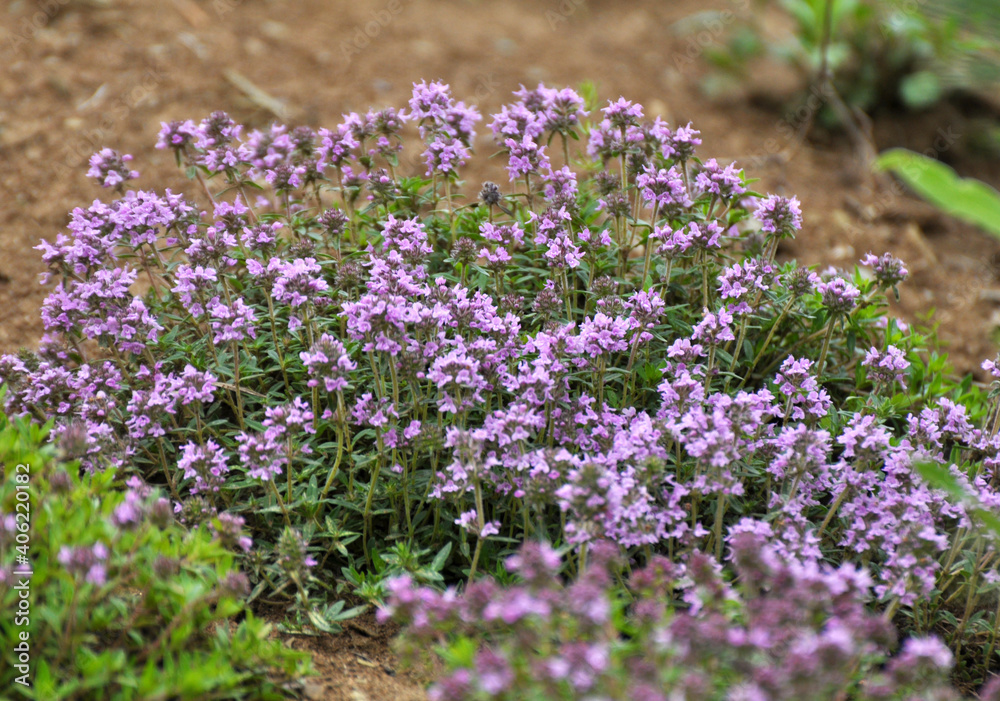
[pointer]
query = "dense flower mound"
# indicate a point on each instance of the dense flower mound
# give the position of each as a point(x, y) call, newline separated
point(787, 630)
point(360, 368)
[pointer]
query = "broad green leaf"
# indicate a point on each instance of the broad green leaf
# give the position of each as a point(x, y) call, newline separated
point(965, 198)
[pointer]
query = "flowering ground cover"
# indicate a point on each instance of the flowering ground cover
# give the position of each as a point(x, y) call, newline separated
point(580, 431)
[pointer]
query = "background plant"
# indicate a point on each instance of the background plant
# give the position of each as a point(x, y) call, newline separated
point(125, 603)
point(965, 198)
point(880, 52)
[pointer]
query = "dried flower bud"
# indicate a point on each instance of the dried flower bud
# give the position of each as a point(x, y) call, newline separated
point(547, 302)
point(73, 442)
point(348, 277)
point(605, 286)
point(511, 303)
point(382, 187)
point(165, 567)
point(616, 204)
point(606, 183)
point(333, 222)
point(161, 514)
point(464, 251)
point(60, 482)
point(490, 194)
point(236, 585)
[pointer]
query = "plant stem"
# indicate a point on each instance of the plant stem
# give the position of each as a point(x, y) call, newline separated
point(281, 503)
point(720, 510)
point(649, 245)
point(371, 496)
point(236, 384)
point(481, 520)
point(335, 470)
point(739, 345)
point(277, 346)
point(826, 347)
point(833, 510)
point(767, 341)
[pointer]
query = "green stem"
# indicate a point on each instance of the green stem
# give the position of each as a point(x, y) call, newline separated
point(704, 279)
point(281, 503)
point(720, 510)
point(649, 245)
point(826, 347)
point(481, 520)
point(371, 496)
point(833, 510)
point(709, 367)
point(236, 384)
point(739, 345)
point(277, 346)
point(767, 341)
point(335, 470)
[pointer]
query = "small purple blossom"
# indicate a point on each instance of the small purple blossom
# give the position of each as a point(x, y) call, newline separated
point(205, 464)
point(889, 270)
point(715, 328)
point(328, 362)
point(779, 216)
point(838, 295)
point(109, 168)
point(886, 368)
point(88, 562)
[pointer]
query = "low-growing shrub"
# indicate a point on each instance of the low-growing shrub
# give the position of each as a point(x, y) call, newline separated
point(783, 630)
point(377, 377)
point(106, 596)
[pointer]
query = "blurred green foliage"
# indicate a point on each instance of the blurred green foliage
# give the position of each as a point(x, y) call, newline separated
point(881, 53)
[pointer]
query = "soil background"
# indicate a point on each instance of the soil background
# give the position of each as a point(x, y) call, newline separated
point(79, 75)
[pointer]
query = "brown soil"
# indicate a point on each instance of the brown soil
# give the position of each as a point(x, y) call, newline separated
point(357, 664)
point(79, 75)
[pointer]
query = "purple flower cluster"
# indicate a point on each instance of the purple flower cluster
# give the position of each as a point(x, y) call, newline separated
point(327, 361)
point(88, 563)
point(838, 295)
point(889, 270)
point(779, 216)
point(886, 368)
point(801, 391)
point(205, 464)
point(447, 126)
point(110, 168)
point(723, 183)
point(793, 629)
point(533, 382)
point(743, 281)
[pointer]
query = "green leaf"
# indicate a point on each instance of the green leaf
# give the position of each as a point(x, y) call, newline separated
point(965, 198)
point(441, 558)
point(921, 89)
point(320, 623)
